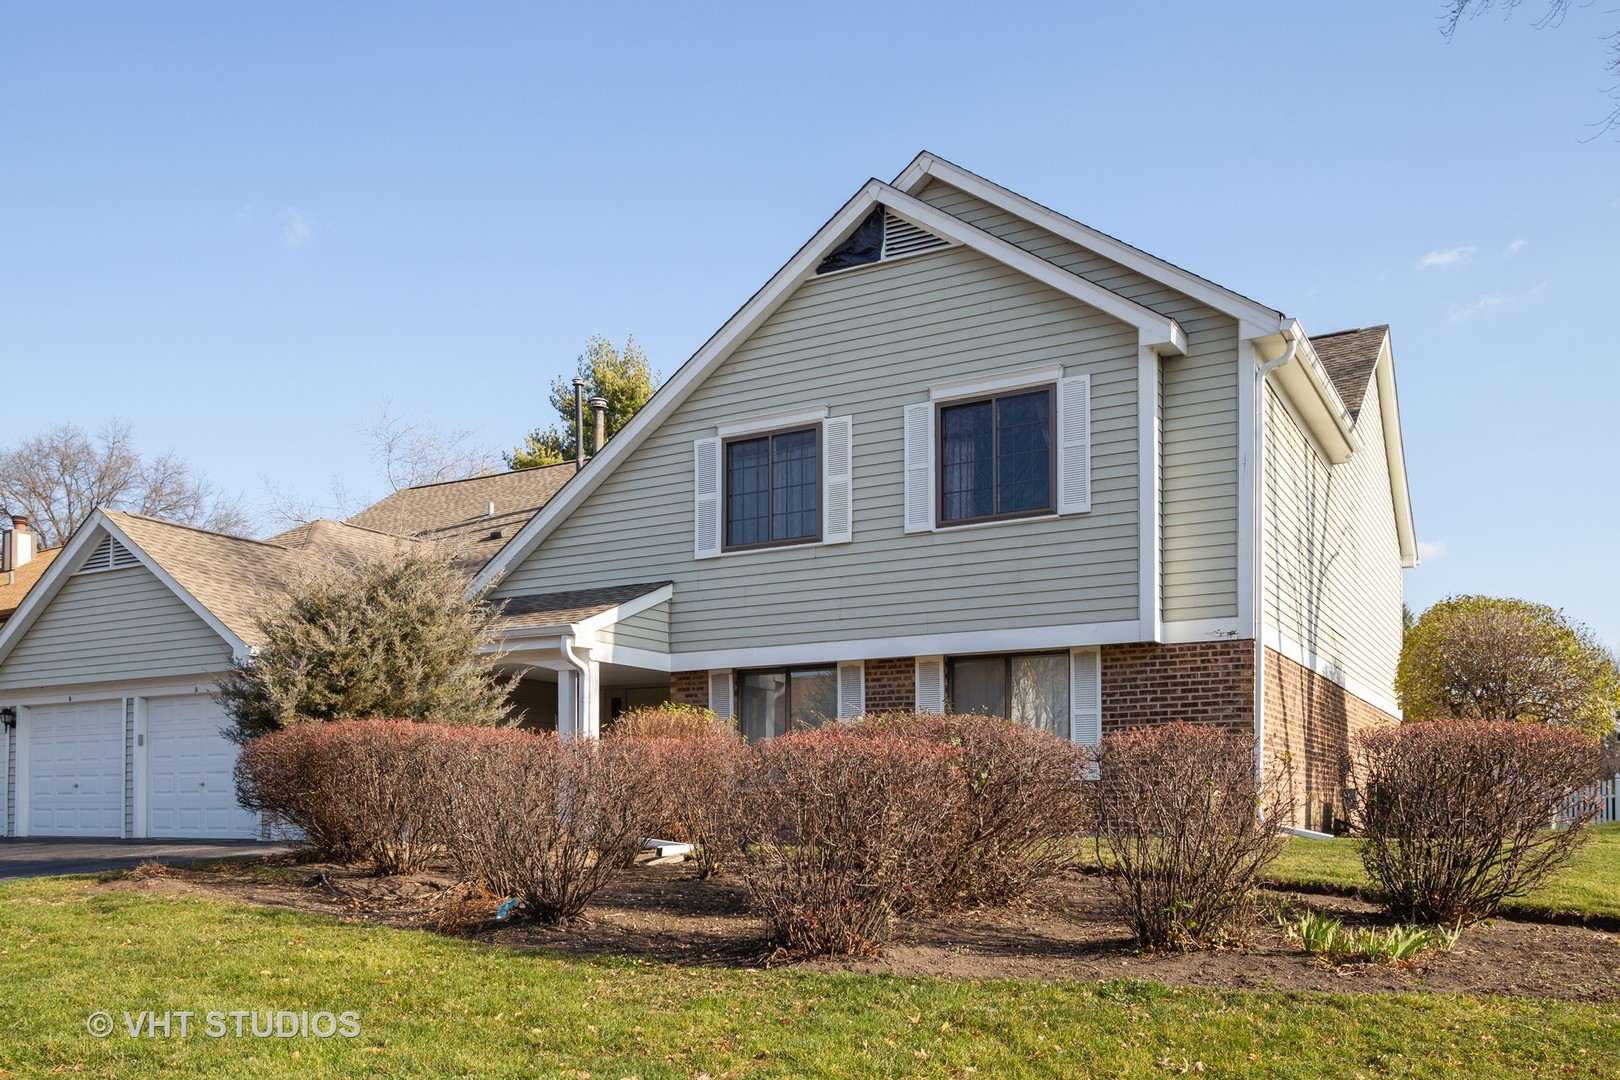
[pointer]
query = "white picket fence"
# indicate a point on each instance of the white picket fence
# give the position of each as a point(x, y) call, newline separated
point(1607, 795)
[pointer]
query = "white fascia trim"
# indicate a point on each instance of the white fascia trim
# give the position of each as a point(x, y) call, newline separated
point(1162, 332)
point(1150, 564)
point(205, 683)
point(930, 166)
point(1187, 631)
point(988, 384)
point(636, 606)
point(1299, 654)
point(978, 641)
point(673, 393)
point(772, 421)
point(1395, 450)
point(1305, 387)
point(630, 657)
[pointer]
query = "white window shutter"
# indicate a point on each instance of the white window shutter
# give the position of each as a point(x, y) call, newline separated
point(706, 498)
point(1085, 696)
point(931, 684)
point(1074, 444)
point(919, 466)
point(720, 694)
point(837, 520)
point(851, 689)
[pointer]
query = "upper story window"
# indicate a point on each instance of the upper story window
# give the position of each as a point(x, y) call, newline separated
point(772, 485)
point(773, 481)
point(1016, 444)
point(996, 457)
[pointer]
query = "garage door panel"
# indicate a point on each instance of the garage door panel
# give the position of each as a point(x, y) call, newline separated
point(189, 765)
point(76, 769)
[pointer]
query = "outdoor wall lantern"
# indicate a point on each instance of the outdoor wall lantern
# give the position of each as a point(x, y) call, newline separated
point(8, 717)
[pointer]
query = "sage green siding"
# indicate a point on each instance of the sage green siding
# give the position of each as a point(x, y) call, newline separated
point(1332, 565)
point(645, 630)
point(1199, 395)
point(110, 625)
point(864, 343)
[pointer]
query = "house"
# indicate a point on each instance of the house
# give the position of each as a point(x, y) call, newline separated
point(21, 564)
point(108, 668)
point(964, 452)
point(961, 452)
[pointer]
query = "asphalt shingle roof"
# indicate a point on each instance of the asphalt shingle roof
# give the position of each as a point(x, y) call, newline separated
point(231, 576)
point(1349, 357)
point(563, 608)
point(22, 579)
point(457, 512)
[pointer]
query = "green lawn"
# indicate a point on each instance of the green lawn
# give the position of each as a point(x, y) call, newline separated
point(1591, 883)
point(433, 1006)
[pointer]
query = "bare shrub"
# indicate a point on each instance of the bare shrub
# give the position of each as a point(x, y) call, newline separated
point(1456, 814)
point(1022, 807)
point(545, 821)
point(1185, 829)
point(840, 830)
point(670, 721)
point(357, 790)
point(691, 796)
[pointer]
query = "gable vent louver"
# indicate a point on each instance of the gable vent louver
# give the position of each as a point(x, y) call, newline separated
point(109, 555)
point(881, 237)
point(901, 237)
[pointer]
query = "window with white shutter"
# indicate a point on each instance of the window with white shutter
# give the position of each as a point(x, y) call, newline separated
point(930, 673)
point(1085, 696)
point(706, 498)
point(838, 465)
point(851, 689)
point(1002, 447)
point(720, 694)
point(774, 481)
point(1074, 445)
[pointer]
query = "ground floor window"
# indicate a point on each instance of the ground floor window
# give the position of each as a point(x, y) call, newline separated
point(1033, 689)
point(776, 702)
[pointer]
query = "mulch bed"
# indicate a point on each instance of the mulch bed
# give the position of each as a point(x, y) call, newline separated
point(1068, 931)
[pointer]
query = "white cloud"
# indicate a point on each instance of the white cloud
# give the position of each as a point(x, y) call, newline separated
point(1517, 246)
point(1431, 549)
point(1481, 306)
point(1448, 257)
point(297, 227)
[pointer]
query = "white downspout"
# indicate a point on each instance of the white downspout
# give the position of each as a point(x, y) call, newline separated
point(1257, 578)
point(581, 674)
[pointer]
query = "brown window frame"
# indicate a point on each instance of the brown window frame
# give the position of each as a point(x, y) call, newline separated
point(770, 505)
point(940, 520)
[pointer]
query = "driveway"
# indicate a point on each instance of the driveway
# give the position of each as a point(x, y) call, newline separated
point(29, 857)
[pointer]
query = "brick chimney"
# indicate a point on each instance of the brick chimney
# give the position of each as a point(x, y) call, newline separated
point(16, 545)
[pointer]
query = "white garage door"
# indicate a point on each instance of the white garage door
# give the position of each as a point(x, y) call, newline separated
point(189, 789)
point(76, 769)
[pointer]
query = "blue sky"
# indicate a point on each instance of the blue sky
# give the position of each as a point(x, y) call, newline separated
point(242, 228)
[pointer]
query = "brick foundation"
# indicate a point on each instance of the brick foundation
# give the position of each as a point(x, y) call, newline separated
point(689, 688)
point(1313, 721)
point(891, 685)
point(1202, 682)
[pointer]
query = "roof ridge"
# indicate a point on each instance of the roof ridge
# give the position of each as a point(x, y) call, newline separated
point(109, 511)
point(462, 480)
point(1353, 330)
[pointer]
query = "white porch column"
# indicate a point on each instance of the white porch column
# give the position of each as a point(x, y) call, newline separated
point(591, 701)
point(568, 703)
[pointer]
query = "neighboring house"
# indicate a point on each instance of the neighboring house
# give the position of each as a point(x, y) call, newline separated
point(20, 564)
point(963, 452)
point(107, 670)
